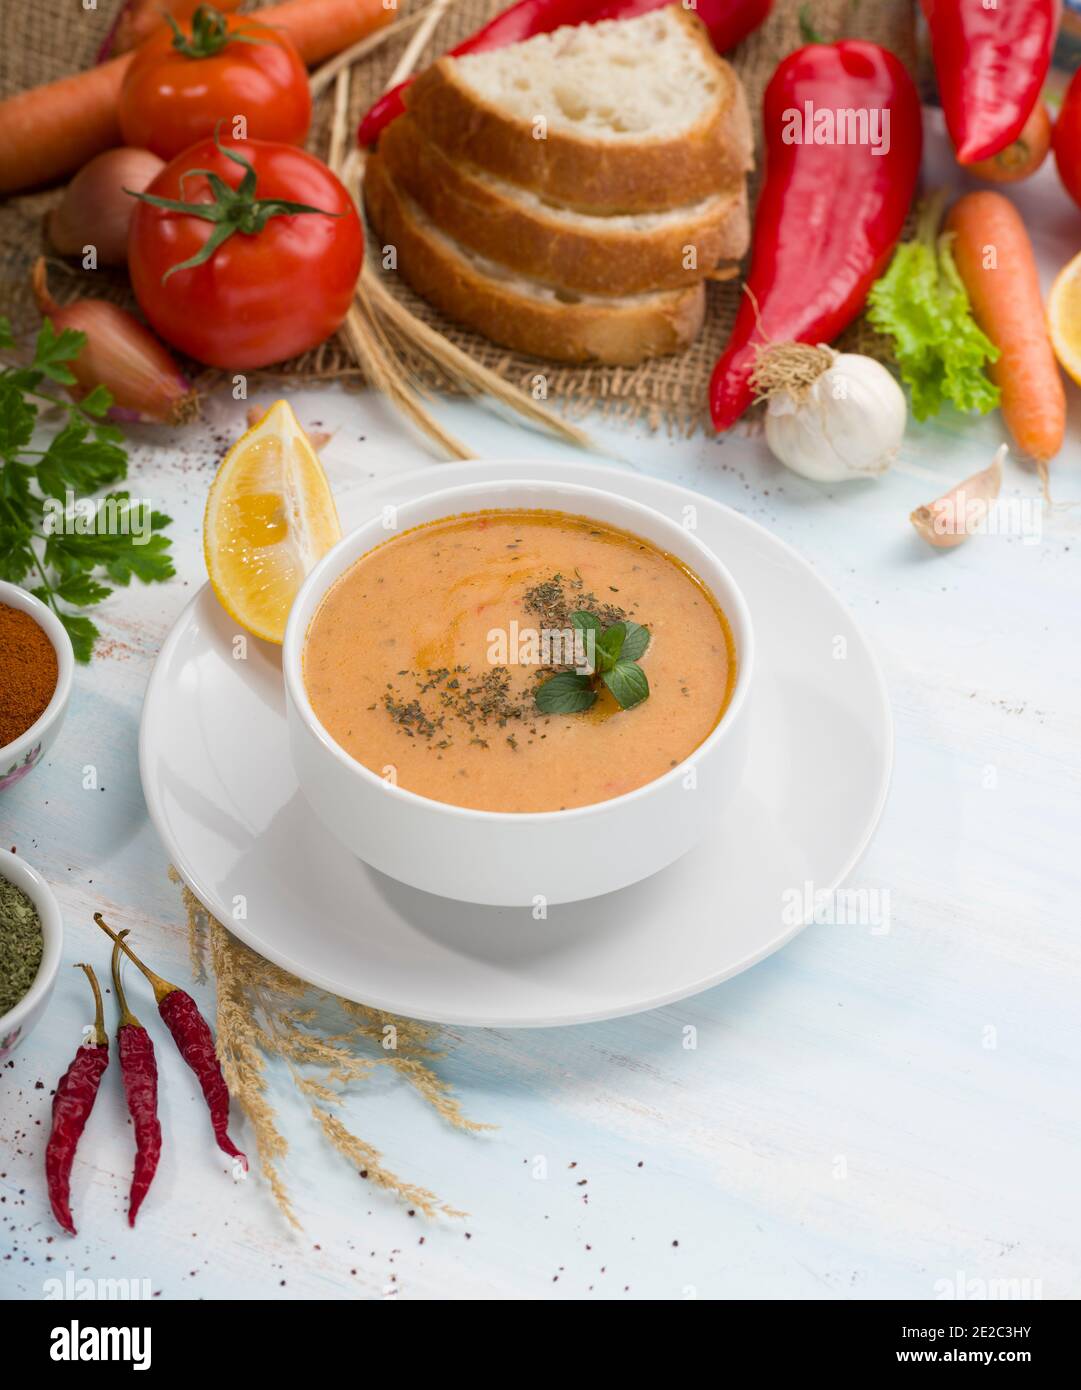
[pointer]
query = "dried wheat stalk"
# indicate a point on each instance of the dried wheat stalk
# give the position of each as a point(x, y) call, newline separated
point(260, 1015)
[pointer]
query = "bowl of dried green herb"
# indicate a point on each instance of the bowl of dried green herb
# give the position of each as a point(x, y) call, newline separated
point(31, 937)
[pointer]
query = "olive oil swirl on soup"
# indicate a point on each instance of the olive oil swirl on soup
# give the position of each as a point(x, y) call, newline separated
point(404, 668)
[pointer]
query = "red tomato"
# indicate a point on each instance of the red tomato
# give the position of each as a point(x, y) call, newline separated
point(180, 85)
point(1066, 141)
point(277, 285)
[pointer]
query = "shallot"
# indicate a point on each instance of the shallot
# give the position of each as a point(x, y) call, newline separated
point(95, 212)
point(120, 354)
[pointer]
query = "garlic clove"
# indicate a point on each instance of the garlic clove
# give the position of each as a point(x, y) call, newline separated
point(120, 354)
point(947, 520)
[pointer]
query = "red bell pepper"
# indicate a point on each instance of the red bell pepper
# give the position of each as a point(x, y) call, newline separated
point(843, 140)
point(728, 21)
point(991, 63)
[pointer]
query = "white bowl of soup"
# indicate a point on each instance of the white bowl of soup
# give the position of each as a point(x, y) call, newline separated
point(415, 661)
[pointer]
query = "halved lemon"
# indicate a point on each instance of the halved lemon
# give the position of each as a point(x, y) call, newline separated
point(1064, 317)
point(270, 517)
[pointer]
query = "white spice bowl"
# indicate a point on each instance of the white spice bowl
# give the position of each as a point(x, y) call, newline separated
point(17, 1022)
point(20, 757)
point(492, 857)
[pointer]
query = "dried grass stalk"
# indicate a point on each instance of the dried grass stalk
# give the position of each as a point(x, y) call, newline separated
point(261, 1014)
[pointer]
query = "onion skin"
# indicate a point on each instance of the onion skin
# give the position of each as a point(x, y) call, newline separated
point(96, 211)
point(120, 354)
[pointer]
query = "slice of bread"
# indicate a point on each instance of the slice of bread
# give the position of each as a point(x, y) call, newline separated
point(518, 312)
point(622, 116)
point(623, 254)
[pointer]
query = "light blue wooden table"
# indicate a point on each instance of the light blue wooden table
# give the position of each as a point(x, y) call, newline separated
point(867, 1114)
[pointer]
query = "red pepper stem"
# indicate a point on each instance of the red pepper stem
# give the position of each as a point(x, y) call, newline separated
point(100, 1035)
point(127, 1018)
point(161, 987)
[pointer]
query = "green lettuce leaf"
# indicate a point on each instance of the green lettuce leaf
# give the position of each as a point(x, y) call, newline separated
point(921, 304)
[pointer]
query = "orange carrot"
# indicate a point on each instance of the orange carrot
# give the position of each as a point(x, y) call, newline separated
point(51, 131)
point(994, 257)
point(321, 28)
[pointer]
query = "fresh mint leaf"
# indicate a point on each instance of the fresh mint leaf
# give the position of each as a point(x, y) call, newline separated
point(635, 642)
point(567, 693)
point(585, 622)
point(610, 646)
point(7, 338)
point(627, 682)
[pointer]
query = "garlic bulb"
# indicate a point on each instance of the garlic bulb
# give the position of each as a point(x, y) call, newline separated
point(831, 416)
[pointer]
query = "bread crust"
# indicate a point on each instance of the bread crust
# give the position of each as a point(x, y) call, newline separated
point(618, 334)
point(545, 245)
point(591, 175)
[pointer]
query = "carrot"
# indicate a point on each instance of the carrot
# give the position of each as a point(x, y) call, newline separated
point(994, 256)
point(321, 28)
point(51, 131)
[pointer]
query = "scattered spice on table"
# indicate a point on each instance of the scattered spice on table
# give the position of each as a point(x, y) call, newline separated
point(139, 1070)
point(75, 1095)
point(21, 945)
point(194, 1040)
point(28, 673)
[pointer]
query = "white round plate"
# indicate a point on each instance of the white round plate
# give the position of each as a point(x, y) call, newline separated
point(222, 795)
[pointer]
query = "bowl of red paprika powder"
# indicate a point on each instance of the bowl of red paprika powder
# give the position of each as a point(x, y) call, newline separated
point(36, 667)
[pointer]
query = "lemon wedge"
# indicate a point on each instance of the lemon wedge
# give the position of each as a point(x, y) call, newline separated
point(270, 517)
point(1064, 317)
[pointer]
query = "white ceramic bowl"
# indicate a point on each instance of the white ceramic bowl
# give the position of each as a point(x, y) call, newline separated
point(17, 1022)
point(19, 758)
point(518, 859)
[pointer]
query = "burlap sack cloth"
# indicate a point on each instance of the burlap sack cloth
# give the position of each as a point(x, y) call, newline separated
point(44, 39)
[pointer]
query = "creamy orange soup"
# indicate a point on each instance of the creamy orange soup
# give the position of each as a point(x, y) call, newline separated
point(423, 660)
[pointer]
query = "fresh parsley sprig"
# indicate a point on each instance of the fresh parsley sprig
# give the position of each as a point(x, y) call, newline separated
point(617, 650)
point(84, 456)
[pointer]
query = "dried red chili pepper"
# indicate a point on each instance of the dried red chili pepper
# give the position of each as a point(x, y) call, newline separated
point(728, 21)
point(139, 1070)
point(194, 1040)
point(830, 211)
point(76, 1092)
point(991, 61)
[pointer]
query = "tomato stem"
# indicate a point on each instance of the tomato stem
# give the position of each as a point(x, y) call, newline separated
point(231, 209)
point(209, 34)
